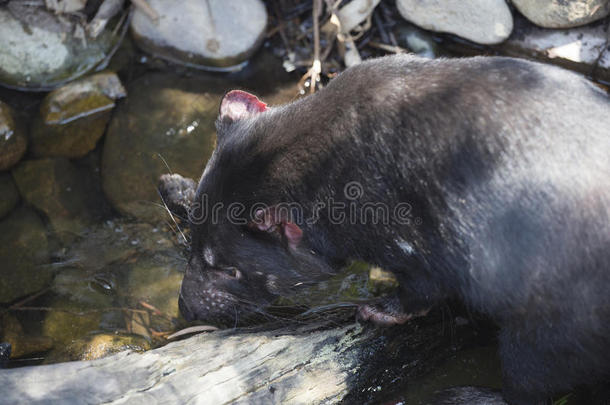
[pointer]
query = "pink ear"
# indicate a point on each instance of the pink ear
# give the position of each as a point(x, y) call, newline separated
point(237, 105)
point(277, 219)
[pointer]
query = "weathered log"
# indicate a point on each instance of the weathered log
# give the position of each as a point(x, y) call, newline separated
point(305, 364)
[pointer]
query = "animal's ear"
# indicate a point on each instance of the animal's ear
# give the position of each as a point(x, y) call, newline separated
point(177, 193)
point(277, 219)
point(237, 105)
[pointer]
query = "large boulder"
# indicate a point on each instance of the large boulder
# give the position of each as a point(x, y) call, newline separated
point(73, 117)
point(564, 13)
point(13, 140)
point(214, 34)
point(166, 124)
point(480, 21)
point(24, 251)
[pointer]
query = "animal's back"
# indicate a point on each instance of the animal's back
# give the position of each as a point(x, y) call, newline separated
point(521, 176)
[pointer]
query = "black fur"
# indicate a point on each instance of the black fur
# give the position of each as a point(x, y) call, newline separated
point(506, 167)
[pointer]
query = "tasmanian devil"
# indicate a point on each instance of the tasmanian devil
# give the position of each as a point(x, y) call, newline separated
point(484, 179)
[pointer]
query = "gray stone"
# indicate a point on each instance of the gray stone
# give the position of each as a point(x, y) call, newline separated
point(23, 249)
point(213, 33)
point(40, 50)
point(166, 119)
point(9, 196)
point(480, 21)
point(13, 141)
point(562, 13)
point(73, 117)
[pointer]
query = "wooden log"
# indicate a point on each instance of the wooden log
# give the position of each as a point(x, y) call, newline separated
point(297, 365)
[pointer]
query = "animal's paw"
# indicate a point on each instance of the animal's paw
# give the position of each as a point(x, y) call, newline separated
point(387, 312)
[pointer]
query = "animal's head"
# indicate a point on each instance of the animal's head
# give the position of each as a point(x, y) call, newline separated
point(249, 245)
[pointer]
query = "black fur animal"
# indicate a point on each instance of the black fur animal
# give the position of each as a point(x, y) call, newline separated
point(503, 166)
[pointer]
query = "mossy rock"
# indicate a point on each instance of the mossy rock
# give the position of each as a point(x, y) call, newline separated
point(73, 118)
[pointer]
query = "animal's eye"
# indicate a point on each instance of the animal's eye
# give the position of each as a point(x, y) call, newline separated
point(232, 272)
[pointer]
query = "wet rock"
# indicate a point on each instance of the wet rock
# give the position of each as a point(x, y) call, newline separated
point(73, 117)
point(166, 119)
point(22, 344)
point(13, 140)
point(40, 50)
point(480, 21)
point(98, 346)
point(583, 49)
point(23, 249)
point(61, 191)
point(9, 193)
point(212, 34)
point(562, 14)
